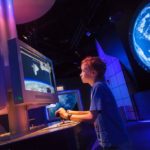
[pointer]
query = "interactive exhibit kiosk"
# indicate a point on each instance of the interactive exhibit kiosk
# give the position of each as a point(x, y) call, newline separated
point(26, 79)
point(32, 81)
point(26, 76)
point(33, 85)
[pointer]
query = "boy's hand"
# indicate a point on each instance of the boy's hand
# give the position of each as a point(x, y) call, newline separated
point(61, 112)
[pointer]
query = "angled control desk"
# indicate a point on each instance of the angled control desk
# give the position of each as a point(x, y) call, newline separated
point(59, 135)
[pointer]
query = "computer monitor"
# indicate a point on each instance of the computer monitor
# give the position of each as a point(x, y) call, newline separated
point(68, 99)
point(32, 75)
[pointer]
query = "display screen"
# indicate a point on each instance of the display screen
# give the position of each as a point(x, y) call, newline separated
point(37, 72)
point(67, 100)
point(140, 36)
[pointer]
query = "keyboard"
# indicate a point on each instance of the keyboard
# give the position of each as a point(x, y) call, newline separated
point(61, 124)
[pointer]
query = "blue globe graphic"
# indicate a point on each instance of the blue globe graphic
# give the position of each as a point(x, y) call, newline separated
point(141, 37)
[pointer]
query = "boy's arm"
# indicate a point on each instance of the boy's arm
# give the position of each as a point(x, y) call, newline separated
point(77, 116)
point(77, 112)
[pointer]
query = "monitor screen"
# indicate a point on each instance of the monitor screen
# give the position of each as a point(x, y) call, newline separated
point(68, 99)
point(32, 73)
point(37, 72)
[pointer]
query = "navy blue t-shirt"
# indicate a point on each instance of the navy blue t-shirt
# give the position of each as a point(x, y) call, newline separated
point(109, 126)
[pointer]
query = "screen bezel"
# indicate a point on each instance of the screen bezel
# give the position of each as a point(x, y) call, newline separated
point(29, 96)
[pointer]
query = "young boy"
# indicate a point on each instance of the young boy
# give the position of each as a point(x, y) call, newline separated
point(110, 130)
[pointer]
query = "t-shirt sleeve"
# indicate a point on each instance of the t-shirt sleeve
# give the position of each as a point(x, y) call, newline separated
point(96, 99)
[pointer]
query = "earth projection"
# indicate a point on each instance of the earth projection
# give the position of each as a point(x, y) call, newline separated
point(141, 37)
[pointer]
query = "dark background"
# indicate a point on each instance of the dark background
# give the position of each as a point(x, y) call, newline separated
point(66, 34)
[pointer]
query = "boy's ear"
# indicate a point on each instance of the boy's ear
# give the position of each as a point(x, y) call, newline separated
point(94, 72)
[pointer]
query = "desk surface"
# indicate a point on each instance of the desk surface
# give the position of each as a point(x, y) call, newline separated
point(51, 127)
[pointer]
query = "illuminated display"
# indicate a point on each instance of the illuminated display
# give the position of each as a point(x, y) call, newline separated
point(68, 99)
point(37, 73)
point(140, 37)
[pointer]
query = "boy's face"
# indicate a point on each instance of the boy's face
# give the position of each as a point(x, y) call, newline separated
point(86, 74)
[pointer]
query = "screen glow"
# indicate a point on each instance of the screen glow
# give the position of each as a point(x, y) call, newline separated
point(37, 73)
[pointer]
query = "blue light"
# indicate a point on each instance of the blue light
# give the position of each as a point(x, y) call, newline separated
point(140, 37)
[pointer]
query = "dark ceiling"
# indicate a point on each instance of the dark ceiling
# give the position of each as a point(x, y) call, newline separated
point(62, 32)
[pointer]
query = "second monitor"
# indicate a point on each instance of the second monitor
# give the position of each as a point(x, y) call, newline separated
point(68, 99)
